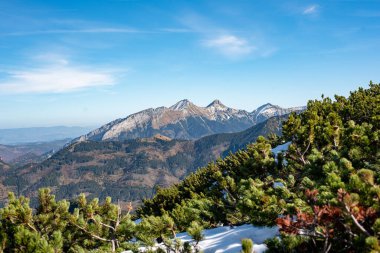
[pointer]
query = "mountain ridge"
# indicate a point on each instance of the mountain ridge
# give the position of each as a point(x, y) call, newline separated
point(184, 120)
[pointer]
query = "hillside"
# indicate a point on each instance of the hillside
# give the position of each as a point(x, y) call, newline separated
point(4, 169)
point(185, 120)
point(128, 170)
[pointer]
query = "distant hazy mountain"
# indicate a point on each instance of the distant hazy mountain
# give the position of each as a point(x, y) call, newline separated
point(184, 120)
point(130, 169)
point(20, 154)
point(40, 134)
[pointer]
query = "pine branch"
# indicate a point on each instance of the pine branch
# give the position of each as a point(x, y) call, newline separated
point(302, 155)
point(91, 234)
point(358, 225)
point(31, 227)
point(103, 224)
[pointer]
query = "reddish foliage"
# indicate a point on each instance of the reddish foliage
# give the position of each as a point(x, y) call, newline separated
point(311, 194)
point(323, 217)
point(359, 212)
point(325, 221)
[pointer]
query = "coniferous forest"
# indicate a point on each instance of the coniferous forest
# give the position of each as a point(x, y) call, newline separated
point(322, 191)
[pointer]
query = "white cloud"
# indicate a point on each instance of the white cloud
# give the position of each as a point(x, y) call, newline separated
point(312, 9)
point(230, 45)
point(58, 75)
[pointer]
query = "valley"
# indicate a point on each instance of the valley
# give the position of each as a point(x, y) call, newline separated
point(128, 170)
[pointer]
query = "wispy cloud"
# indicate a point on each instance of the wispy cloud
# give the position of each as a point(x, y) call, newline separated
point(230, 45)
point(176, 30)
point(99, 30)
point(57, 75)
point(80, 26)
point(312, 9)
point(74, 31)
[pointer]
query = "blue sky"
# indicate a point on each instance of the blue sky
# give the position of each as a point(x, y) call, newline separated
point(86, 63)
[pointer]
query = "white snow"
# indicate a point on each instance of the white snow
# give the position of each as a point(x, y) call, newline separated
point(280, 148)
point(131, 122)
point(183, 109)
point(216, 105)
point(181, 105)
point(228, 240)
point(278, 184)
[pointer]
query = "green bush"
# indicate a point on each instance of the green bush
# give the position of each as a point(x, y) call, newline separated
point(247, 245)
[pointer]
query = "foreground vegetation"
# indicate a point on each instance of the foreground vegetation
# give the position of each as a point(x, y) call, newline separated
point(323, 192)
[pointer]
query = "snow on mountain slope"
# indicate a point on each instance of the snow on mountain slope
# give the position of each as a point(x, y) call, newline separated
point(268, 110)
point(184, 120)
point(182, 105)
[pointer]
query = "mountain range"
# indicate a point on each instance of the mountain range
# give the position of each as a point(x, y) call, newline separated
point(129, 157)
point(127, 170)
point(184, 120)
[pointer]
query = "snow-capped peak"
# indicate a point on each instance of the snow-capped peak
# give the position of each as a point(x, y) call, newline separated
point(265, 106)
point(181, 105)
point(217, 105)
point(184, 120)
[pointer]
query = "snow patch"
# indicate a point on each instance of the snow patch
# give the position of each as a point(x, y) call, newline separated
point(228, 240)
point(281, 148)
